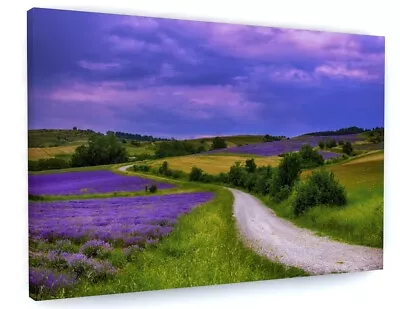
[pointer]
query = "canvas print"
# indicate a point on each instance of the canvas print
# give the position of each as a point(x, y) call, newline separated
point(167, 153)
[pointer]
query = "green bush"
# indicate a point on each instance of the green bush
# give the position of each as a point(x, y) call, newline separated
point(164, 169)
point(321, 188)
point(340, 142)
point(347, 148)
point(141, 168)
point(310, 157)
point(284, 177)
point(195, 174)
point(218, 143)
point(331, 143)
point(101, 150)
point(321, 144)
point(153, 188)
point(263, 180)
point(250, 165)
point(47, 164)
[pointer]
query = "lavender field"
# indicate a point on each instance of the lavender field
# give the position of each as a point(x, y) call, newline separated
point(79, 236)
point(294, 144)
point(88, 182)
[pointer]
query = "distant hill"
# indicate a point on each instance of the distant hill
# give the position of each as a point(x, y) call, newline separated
point(53, 138)
point(343, 131)
point(233, 140)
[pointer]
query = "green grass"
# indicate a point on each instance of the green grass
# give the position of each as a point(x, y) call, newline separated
point(203, 249)
point(361, 220)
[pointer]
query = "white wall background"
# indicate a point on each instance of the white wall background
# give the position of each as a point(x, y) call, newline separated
point(360, 290)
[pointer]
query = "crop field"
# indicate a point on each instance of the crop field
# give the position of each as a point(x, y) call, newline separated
point(294, 144)
point(50, 152)
point(213, 164)
point(361, 220)
point(88, 182)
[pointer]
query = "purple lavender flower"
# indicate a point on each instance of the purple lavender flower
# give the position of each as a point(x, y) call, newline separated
point(96, 248)
point(44, 280)
point(130, 219)
point(76, 183)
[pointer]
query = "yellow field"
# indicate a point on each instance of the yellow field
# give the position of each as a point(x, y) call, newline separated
point(212, 164)
point(373, 157)
point(50, 152)
point(366, 171)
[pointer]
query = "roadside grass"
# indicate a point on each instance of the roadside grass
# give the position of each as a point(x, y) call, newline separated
point(212, 164)
point(203, 249)
point(361, 220)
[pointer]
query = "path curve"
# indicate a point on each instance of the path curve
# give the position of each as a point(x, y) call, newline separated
point(124, 168)
point(282, 241)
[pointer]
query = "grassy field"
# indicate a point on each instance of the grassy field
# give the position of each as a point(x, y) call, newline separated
point(50, 152)
point(213, 164)
point(203, 249)
point(361, 220)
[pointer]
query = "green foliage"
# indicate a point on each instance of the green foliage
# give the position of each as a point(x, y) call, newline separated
point(164, 169)
point(331, 143)
point(321, 144)
point(101, 150)
point(270, 138)
point(174, 148)
point(310, 157)
point(218, 143)
point(285, 176)
point(341, 142)
point(321, 188)
point(347, 148)
point(201, 148)
point(343, 131)
point(47, 164)
point(141, 168)
point(250, 165)
point(263, 180)
point(195, 174)
point(376, 135)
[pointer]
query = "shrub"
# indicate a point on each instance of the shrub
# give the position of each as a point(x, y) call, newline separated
point(218, 143)
point(284, 177)
point(141, 168)
point(321, 188)
point(100, 150)
point(263, 180)
point(340, 142)
point(195, 174)
point(250, 165)
point(321, 144)
point(164, 169)
point(153, 188)
point(347, 148)
point(47, 164)
point(310, 157)
point(234, 175)
point(331, 143)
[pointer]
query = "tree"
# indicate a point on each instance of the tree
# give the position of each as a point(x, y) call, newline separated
point(218, 143)
point(251, 165)
point(331, 143)
point(102, 149)
point(321, 144)
point(310, 157)
point(195, 174)
point(74, 128)
point(347, 148)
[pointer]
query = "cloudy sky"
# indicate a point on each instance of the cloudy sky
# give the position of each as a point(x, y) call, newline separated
point(182, 79)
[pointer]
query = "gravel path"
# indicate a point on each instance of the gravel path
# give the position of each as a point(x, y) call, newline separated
point(124, 168)
point(286, 243)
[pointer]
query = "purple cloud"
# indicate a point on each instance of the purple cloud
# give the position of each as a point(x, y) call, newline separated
point(186, 78)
